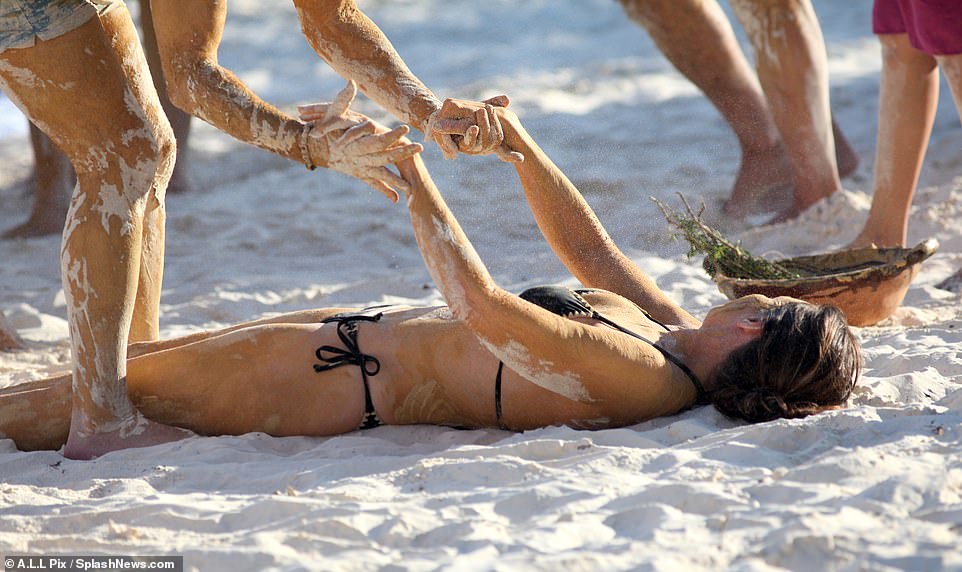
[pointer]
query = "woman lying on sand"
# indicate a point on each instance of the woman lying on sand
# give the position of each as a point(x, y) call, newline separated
point(591, 358)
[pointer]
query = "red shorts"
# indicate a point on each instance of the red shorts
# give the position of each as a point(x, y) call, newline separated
point(933, 26)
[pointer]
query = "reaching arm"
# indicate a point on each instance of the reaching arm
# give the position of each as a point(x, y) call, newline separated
point(188, 33)
point(586, 364)
point(576, 235)
point(356, 48)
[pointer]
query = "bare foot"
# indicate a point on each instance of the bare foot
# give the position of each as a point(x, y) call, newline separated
point(131, 432)
point(760, 174)
point(845, 156)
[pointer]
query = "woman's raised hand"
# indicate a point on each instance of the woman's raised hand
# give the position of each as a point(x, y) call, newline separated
point(476, 123)
point(355, 144)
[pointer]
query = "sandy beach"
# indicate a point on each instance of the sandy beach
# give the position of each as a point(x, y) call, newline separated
point(876, 486)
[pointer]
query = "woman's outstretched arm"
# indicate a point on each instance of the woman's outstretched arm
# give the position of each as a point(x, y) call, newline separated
point(583, 363)
point(576, 235)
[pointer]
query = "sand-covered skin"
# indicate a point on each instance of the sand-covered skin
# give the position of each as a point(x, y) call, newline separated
point(876, 486)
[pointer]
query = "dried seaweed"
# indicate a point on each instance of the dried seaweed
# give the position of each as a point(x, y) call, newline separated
point(721, 254)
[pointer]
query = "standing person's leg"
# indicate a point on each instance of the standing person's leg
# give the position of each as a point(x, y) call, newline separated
point(54, 177)
point(145, 321)
point(793, 70)
point(74, 88)
point(53, 185)
point(952, 68)
point(698, 40)
point(908, 97)
point(179, 120)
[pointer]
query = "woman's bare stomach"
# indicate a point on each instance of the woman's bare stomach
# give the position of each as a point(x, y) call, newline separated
point(434, 370)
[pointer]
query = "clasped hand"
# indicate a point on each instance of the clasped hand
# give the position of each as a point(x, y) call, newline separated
point(476, 123)
point(356, 145)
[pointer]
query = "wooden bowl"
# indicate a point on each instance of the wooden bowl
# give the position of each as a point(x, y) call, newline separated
point(867, 284)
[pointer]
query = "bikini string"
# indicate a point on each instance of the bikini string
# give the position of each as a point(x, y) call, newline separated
point(497, 394)
point(703, 396)
point(370, 366)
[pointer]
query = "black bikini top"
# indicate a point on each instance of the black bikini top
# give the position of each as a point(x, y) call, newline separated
point(567, 302)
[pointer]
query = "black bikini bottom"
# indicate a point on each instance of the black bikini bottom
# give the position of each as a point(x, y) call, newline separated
point(334, 357)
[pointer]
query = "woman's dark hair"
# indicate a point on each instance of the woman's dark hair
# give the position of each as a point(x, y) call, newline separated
point(805, 359)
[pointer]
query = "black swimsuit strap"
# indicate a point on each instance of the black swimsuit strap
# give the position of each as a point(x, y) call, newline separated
point(703, 395)
point(497, 394)
point(352, 355)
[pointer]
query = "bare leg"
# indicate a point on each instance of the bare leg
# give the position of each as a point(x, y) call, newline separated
point(179, 120)
point(122, 154)
point(145, 319)
point(952, 68)
point(301, 317)
point(255, 378)
point(55, 177)
point(793, 71)
point(53, 184)
point(908, 97)
point(697, 39)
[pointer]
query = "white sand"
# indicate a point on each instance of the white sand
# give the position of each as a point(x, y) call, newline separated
point(874, 487)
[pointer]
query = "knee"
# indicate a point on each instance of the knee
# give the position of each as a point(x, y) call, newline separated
point(149, 161)
point(146, 164)
point(120, 177)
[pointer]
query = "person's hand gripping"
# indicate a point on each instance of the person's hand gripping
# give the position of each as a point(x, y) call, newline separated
point(477, 125)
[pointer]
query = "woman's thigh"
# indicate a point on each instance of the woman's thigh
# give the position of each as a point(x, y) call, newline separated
point(300, 317)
